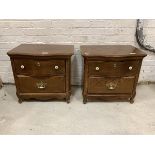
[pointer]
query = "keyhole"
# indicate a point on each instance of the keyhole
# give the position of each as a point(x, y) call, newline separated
point(115, 65)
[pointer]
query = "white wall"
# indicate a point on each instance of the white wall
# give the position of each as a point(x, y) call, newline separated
point(75, 32)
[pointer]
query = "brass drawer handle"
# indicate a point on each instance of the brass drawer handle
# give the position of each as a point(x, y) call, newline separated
point(97, 68)
point(111, 85)
point(130, 68)
point(41, 85)
point(22, 67)
point(56, 67)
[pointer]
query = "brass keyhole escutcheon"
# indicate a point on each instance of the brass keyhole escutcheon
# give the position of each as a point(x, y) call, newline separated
point(38, 64)
point(115, 65)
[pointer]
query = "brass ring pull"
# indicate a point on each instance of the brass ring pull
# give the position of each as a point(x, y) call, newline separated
point(56, 67)
point(130, 68)
point(41, 85)
point(97, 68)
point(111, 85)
point(22, 67)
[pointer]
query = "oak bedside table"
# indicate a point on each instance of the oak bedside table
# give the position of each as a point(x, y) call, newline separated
point(111, 72)
point(42, 71)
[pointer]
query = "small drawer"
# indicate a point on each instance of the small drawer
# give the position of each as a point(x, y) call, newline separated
point(23, 66)
point(39, 67)
point(103, 85)
point(55, 84)
point(129, 68)
point(49, 67)
point(116, 68)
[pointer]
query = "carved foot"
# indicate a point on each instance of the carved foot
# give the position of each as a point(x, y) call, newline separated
point(68, 100)
point(131, 101)
point(20, 100)
point(1, 84)
point(84, 100)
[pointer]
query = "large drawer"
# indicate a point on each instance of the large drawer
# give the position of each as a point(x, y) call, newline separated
point(115, 68)
point(103, 85)
point(54, 84)
point(39, 67)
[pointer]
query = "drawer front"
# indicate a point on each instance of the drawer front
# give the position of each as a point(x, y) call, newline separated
point(55, 84)
point(123, 68)
point(49, 67)
point(23, 66)
point(102, 85)
point(39, 67)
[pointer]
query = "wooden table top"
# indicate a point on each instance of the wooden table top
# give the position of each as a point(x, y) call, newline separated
point(42, 50)
point(110, 51)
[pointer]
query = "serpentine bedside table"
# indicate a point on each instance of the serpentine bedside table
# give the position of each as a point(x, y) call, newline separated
point(111, 72)
point(42, 71)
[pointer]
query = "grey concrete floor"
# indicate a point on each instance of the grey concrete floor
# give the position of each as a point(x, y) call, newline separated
point(77, 118)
